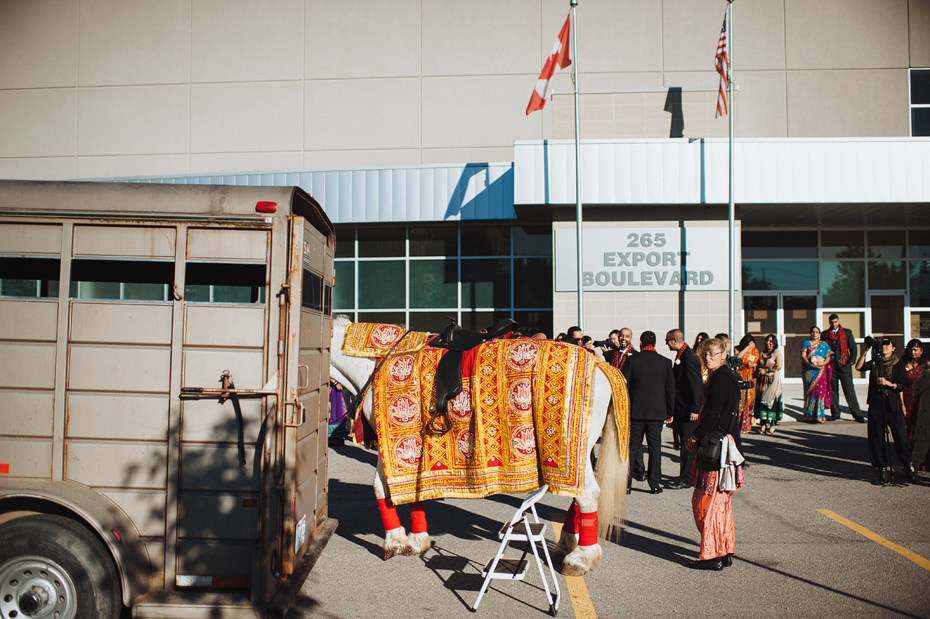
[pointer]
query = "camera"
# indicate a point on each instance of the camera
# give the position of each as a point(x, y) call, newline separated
point(735, 364)
point(608, 344)
point(875, 343)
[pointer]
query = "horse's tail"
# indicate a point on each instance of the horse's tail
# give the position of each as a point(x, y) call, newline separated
point(612, 470)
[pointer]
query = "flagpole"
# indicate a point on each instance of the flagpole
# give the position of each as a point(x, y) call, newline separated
point(578, 216)
point(732, 208)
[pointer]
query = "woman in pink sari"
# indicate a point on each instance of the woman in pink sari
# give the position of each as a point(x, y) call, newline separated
point(816, 371)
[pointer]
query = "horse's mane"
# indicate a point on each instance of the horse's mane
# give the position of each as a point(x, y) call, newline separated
point(341, 321)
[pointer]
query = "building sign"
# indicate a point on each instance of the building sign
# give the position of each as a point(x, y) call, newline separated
point(656, 258)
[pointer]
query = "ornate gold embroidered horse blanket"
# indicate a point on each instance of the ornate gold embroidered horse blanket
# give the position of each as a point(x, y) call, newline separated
point(523, 414)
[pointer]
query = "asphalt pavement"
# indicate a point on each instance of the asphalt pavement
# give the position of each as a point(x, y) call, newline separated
point(815, 536)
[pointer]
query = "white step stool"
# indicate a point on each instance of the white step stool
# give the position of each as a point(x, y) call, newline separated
point(523, 527)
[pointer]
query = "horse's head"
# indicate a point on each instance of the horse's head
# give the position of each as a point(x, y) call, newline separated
point(351, 372)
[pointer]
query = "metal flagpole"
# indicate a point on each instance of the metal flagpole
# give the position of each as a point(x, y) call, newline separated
point(732, 209)
point(578, 216)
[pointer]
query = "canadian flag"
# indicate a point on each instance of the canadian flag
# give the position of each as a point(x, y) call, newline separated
point(559, 58)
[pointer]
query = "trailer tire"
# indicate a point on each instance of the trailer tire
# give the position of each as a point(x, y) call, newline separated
point(52, 566)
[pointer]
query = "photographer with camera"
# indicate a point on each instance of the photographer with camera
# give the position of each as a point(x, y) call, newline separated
point(886, 382)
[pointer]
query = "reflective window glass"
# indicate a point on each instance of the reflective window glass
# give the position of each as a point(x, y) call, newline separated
point(434, 283)
point(534, 321)
point(489, 240)
point(345, 242)
point(779, 275)
point(920, 324)
point(920, 86)
point(841, 244)
point(920, 283)
point(763, 245)
point(144, 280)
point(434, 242)
point(29, 277)
point(212, 282)
point(532, 282)
point(843, 283)
point(919, 243)
point(920, 122)
point(486, 283)
point(344, 292)
point(431, 322)
point(886, 244)
point(381, 284)
point(532, 240)
point(384, 242)
point(476, 321)
point(391, 318)
point(886, 275)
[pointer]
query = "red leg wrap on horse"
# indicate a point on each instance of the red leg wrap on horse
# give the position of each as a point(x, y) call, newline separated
point(571, 519)
point(588, 535)
point(417, 518)
point(388, 515)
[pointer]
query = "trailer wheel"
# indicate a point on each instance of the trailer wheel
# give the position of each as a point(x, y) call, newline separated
point(51, 566)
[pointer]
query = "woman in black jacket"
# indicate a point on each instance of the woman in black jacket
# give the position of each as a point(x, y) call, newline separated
point(712, 508)
point(886, 408)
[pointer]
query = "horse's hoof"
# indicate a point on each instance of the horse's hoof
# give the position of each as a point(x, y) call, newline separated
point(572, 570)
point(406, 551)
point(388, 553)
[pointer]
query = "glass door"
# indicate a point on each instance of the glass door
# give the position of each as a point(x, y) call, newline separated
point(800, 314)
point(887, 317)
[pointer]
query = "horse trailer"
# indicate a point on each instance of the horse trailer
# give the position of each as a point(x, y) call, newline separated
point(164, 394)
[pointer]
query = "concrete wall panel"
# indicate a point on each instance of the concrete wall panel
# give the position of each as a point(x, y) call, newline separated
point(129, 165)
point(359, 38)
point(133, 120)
point(38, 123)
point(476, 111)
point(691, 29)
point(253, 116)
point(613, 35)
point(846, 34)
point(134, 42)
point(763, 104)
point(918, 13)
point(38, 43)
point(844, 103)
point(362, 114)
point(240, 40)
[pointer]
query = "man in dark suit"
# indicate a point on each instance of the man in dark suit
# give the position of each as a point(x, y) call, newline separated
point(843, 344)
point(651, 386)
point(689, 395)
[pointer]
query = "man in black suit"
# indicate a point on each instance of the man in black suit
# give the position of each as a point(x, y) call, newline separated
point(843, 344)
point(651, 386)
point(689, 395)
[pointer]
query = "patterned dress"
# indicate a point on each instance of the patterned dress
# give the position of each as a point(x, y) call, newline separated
point(816, 381)
point(910, 378)
point(747, 371)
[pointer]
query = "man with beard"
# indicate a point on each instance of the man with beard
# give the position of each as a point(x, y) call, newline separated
point(623, 350)
point(843, 344)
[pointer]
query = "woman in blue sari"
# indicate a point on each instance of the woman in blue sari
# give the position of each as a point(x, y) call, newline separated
point(816, 371)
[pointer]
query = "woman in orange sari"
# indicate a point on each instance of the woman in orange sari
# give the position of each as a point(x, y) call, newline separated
point(712, 507)
point(747, 351)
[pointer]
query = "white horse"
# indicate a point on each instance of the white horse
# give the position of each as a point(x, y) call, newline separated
point(602, 500)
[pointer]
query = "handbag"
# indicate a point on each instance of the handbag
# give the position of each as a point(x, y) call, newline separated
point(708, 450)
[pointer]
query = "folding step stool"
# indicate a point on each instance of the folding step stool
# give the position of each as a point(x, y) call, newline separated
point(522, 529)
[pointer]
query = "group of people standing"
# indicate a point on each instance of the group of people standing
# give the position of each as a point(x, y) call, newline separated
point(698, 395)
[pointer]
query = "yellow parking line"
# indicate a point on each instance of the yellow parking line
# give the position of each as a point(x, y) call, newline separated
point(577, 589)
point(904, 552)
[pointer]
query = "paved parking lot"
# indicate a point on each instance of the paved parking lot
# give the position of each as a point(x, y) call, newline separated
point(814, 537)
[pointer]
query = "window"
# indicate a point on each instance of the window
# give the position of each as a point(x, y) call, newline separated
point(29, 277)
point(423, 274)
point(211, 282)
point(920, 102)
point(779, 244)
point(779, 276)
point(122, 280)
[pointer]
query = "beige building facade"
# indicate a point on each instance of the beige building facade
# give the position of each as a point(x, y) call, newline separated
point(379, 93)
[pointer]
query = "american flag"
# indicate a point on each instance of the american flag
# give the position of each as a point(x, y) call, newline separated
point(722, 61)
